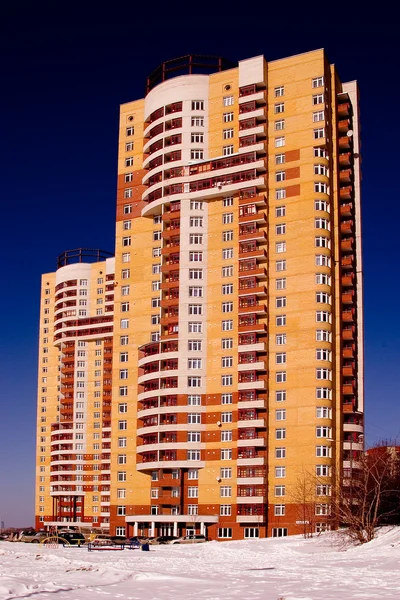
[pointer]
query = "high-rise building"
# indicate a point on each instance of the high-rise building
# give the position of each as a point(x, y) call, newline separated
point(209, 378)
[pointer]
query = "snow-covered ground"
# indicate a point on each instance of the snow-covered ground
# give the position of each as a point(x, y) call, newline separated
point(273, 569)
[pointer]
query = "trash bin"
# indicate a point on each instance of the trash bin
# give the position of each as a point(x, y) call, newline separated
point(146, 547)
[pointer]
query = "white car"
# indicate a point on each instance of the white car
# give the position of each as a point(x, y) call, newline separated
point(190, 539)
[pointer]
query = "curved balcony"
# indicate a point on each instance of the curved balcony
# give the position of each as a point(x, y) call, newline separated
point(165, 410)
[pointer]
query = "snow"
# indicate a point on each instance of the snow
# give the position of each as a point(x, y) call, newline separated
point(289, 568)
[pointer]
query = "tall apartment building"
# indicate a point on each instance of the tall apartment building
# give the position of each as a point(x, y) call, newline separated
point(212, 371)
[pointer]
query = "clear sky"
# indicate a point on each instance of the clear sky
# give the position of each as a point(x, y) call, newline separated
point(64, 75)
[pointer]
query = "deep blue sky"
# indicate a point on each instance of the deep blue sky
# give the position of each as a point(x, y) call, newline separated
point(63, 76)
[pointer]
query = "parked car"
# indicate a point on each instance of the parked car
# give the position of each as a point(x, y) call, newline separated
point(73, 538)
point(163, 539)
point(189, 539)
point(109, 540)
point(26, 535)
point(37, 538)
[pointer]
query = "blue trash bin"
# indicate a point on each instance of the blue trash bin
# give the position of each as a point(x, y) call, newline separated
point(146, 547)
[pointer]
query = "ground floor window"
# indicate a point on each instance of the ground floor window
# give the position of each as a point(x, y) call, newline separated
point(279, 532)
point(120, 531)
point(225, 532)
point(320, 527)
point(251, 532)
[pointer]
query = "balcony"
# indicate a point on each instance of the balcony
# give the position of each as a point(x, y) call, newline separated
point(349, 351)
point(345, 176)
point(348, 389)
point(343, 126)
point(345, 159)
point(347, 262)
point(348, 280)
point(348, 297)
point(348, 333)
point(348, 316)
point(344, 142)
point(348, 370)
point(346, 193)
point(344, 109)
point(346, 210)
point(346, 227)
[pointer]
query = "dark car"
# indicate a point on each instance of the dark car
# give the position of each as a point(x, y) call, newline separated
point(71, 538)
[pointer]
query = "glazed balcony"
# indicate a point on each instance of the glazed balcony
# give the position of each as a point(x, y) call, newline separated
point(251, 270)
point(250, 492)
point(251, 250)
point(250, 289)
point(172, 216)
point(250, 93)
point(250, 232)
point(257, 308)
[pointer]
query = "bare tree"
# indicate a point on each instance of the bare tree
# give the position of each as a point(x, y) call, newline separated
point(303, 495)
point(369, 496)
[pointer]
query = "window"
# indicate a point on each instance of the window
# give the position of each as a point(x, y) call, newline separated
point(322, 224)
point(227, 100)
point(280, 211)
point(225, 491)
point(281, 377)
point(196, 222)
point(123, 390)
point(280, 229)
point(227, 380)
point(195, 256)
point(279, 108)
point(129, 161)
point(225, 510)
point(323, 297)
point(323, 490)
point(226, 417)
point(320, 188)
point(280, 265)
point(195, 327)
point(194, 400)
point(227, 361)
point(226, 454)
point(227, 307)
point(156, 252)
point(320, 170)
point(197, 122)
point(224, 533)
point(318, 116)
point(323, 354)
point(193, 455)
point(323, 451)
point(280, 434)
point(195, 273)
point(280, 395)
point(227, 150)
point(227, 289)
point(193, 492)
point(324, 393)
point(227, 325)
point(279, 142)
point(280, 358)
point(280, 339)
point(194, 345)
point(196, 205)
point(122, 407)
point(279, 510)
point(226, 343)
point(280, 452)
point(322, 205)
point(280, 302)
point(227, 134)
point(280, 490)
point(194, 363)
point(318, 99)
point(226, 398)
point(121, 476)
point(193, 473)
point(322, 509)
point(157, 219)
point(228, 201)
point(226, 436)
point(323, 336)
point(194, 381)
point(321, 260)
point(320, 152)
point(196, 238)
point(280, 415)
point(317, 82)
point(319, 133)
point(227, 236)
point(128, 177)
point(227, 253)
point(280, 320)
point(323, 431)
point(156, 269)
point(323, 374)
point(196, 154)
point(280, 472)
point(129, 147)
point(195, 309)
point(196, 138)
point(279, 125)
point(197, 104)
point(280, 247)
point(126, 225)
point(227, 271)
point(130, 131)
point(195, 292)
point(280, 176)
point(227, 117)
point(323, 412)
